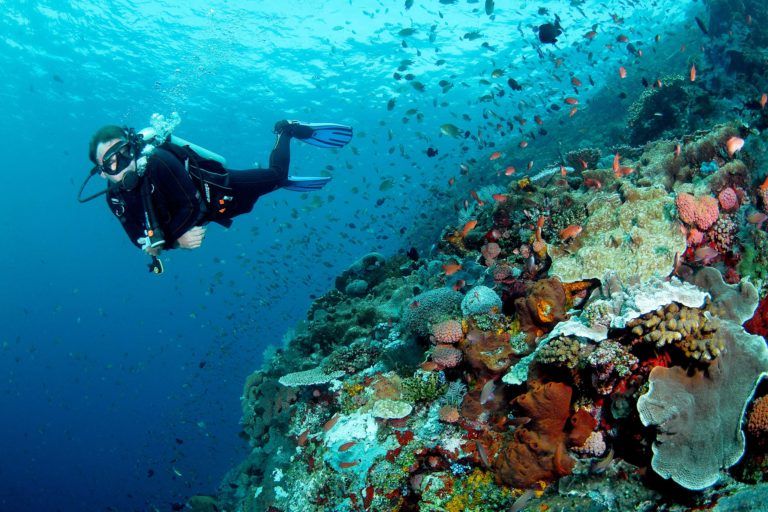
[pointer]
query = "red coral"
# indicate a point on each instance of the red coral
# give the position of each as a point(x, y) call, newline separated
point(701, 212)
point(758, 324)
point(537, 452)
point(757, 423)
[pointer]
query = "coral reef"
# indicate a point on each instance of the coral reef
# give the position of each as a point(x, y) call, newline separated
point(636, 237)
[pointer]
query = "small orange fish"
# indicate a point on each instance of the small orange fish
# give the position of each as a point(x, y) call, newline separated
point(346, 446)
point(451, 181)
point(458, 285)
point(622, 38)
point(583, 164)
point(495, 155)
point(538, 120)
point(763, 100)
point(509, 171)
point(474, 195)
point(626, 171)
point(571, 231)
point(451, 267)
point(575, 82)
point(523, 144)
point(563, 170)
point(331, 422)
point(657, 38)
point(590, 35)
point(616, 164)
point(469, 226)
point(499, 198)
point(733, 145)
point(693, 72)
point(678, 150)
point(346, 465)
point(571, 100)
point(530, 164)
point(573, 111)
point(593, 183)
point(622, 72)
point(657, 84)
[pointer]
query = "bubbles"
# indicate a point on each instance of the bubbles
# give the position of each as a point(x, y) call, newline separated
point(164, 126)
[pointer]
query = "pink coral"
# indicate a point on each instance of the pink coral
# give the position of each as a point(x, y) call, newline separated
point(446, 356)
point(695, 237)
point(490, 251)
point(728, 199)
point(449, 331)
point(700, 212)
point(723, 233)
point(594, 446)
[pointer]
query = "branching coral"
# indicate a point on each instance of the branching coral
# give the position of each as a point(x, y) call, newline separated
point(692, 330)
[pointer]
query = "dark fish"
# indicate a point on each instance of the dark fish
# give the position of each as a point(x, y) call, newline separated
point(548, 32)
point(413, 254)
point(179, 441)
point(57, 78)
point(701, 25)
point(514, 85)
point(408, 4)
point(645, 82)
point(391, 104)
point(489, 5)
point(431, 152)
point(471, 36)
point(543, 11)
point(631, 49)
point(150, 473)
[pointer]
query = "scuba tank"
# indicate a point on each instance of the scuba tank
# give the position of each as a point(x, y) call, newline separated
point(151, 137)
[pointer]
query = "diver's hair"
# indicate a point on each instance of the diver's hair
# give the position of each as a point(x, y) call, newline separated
point(104, 134)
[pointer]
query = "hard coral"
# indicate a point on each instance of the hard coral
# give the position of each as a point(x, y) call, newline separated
point(728, 199)
point(449, 331)
point(446, 356)
point(537, 452)
point(757, 423)
point(700, 212)
point(692, 330)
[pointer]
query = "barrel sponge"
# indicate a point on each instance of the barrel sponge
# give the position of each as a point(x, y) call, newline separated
point(429, 308)
point(698, 417)
point(480, 300)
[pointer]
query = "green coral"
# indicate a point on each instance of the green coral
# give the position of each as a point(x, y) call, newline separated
point(426, 388)
point(560, 351)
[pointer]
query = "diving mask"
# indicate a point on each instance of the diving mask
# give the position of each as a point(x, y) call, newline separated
point(116, 159)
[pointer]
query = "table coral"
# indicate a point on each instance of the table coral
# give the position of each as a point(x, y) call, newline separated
point(699, 415)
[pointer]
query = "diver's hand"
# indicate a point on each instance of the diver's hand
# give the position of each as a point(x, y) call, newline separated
point(193, 238)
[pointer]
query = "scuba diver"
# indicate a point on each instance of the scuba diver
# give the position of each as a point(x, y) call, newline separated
point(164, 190)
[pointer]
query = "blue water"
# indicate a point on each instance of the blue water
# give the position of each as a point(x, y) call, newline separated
point(121, 388)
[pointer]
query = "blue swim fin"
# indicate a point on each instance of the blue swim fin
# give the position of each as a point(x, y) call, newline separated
point(329, 135)
point(305, 183)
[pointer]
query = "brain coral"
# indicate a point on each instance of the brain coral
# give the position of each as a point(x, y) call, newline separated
point(429, 308)
point(636, 237)
point(480, 300)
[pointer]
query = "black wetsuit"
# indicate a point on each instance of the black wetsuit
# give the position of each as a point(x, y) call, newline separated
point(178, 202)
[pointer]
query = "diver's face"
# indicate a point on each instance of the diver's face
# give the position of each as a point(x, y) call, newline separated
point(101, 150)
